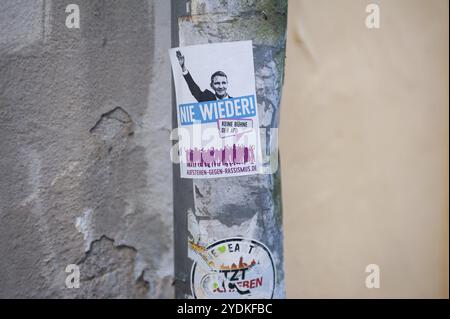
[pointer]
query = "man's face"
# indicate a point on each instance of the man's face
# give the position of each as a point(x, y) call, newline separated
point(220, 84)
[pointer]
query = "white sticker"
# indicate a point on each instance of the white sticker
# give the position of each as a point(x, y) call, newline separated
point(232, 268)
point(234, 127)
point(216, 110)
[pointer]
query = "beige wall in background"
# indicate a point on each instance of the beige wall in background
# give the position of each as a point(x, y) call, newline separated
point(364, 146)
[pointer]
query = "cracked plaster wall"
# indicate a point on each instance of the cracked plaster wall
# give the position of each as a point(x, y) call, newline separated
point(244, 206)
point(84, 127)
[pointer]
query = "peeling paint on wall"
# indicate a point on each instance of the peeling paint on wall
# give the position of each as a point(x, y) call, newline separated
point(246, 206)
point(78, 157)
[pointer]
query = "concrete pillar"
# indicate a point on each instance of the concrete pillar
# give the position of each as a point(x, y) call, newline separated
point(247, 206)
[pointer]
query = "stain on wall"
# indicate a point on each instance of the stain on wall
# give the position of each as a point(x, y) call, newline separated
point(84, 126)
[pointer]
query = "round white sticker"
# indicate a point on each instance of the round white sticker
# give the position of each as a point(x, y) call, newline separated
point(234, 268)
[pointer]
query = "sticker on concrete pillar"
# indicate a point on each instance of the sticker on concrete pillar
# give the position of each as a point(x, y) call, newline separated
point(232, 268)
point(217, 112)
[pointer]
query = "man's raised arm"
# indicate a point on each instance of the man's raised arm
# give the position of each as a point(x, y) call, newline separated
point(193, 87)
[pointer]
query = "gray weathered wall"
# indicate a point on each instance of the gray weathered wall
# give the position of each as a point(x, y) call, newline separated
point(244, 206)
point(84, 149)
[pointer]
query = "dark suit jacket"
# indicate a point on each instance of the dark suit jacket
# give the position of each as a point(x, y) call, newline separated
point(200, 96)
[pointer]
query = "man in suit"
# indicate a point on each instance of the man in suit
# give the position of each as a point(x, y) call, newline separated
point(219, 83)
